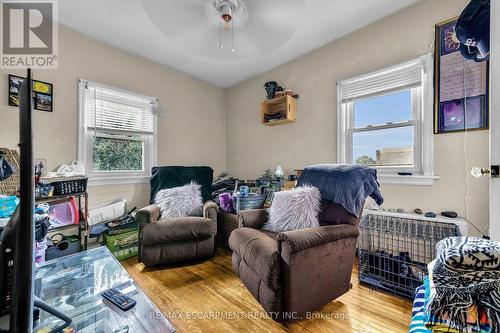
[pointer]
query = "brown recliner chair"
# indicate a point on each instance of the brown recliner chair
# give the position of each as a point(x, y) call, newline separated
point(295, 272)
point(177, 239)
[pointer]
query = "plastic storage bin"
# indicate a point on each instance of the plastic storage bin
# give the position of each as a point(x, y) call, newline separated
point(250, 201)
point(8, 205)
point(107, 212)
point(124, 245)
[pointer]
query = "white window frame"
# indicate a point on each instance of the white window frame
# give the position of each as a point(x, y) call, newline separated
point(422, 108)
point(86, 137)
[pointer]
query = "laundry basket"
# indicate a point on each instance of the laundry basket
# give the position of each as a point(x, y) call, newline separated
point(10, 186)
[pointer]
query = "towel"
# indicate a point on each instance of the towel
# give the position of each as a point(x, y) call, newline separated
point(417, 324)
point(345, 185)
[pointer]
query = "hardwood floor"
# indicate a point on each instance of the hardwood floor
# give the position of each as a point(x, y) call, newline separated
point(208, 297)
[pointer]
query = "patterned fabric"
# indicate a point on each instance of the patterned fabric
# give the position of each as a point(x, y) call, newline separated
point(465, 285)
point(469, 254)
point(417, 324)
point(442, 324)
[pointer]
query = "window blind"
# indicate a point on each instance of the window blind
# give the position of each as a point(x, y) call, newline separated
point(117, 110)
point(407, 75)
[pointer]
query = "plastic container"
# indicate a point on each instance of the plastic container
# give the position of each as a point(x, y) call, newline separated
point(250, 201)
point(107, 212)
point(63, 213)
point(40, 248)
point(8, 205)
point(124, 245)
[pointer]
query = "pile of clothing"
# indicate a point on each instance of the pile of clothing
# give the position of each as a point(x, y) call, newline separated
point(116, 226)
point(74, 170)
point(462, 291)
point(223, 183)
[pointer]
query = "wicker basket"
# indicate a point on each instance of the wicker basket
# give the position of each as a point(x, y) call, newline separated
point(251, 201)
point(10, 186)
point(72, 186)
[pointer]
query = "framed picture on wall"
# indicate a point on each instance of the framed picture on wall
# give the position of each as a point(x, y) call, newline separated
point(460, 85)
point(14, 86)
point(42, 93)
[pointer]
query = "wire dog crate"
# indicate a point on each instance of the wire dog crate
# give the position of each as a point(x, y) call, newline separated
point(394, 251)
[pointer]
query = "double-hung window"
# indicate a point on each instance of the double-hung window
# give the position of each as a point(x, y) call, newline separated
point(383, 122)
point(117, 134)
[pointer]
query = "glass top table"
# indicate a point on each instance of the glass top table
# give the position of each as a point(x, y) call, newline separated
point(74, 284)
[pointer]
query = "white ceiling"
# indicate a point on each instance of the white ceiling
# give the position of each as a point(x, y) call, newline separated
point(184, 34)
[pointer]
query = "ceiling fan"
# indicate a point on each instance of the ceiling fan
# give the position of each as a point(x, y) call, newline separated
point(226, 9)
point(252, 27)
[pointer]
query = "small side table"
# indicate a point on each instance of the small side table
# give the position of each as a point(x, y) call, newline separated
point(226, 223)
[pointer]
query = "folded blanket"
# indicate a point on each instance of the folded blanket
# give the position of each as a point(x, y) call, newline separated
point(469, 254)
point(346, 185)
point(465, 284)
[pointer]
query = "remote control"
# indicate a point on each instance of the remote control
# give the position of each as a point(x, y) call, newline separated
point(119, 299)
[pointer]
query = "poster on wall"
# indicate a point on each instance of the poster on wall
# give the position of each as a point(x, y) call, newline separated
point(42, 93)
point(460, 85)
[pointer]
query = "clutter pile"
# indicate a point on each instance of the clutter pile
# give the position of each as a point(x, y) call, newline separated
point(42, 224)
point(117, 226)
point(234, 195)
point(461, 292)
point(273, 90)
point(223, 183)
point(67, 179)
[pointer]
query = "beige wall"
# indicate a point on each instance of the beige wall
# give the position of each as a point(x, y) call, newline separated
point(252, 147)
point(192, 133)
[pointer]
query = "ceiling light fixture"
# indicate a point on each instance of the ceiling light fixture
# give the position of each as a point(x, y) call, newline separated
point(226, 9)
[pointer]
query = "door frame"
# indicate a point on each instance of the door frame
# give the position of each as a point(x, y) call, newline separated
point(495, 118)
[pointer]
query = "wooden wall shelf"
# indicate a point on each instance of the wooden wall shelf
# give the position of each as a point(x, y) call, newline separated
point(286, 106)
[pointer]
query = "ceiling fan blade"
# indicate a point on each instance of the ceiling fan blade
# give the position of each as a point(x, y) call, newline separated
point(175, 15)
point(279, 11)
point(187, 22)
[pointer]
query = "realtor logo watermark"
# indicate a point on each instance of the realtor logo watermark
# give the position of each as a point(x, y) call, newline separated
point(29, 34)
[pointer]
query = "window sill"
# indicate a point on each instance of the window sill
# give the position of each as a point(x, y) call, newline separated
point(413, 180)
point(117, 180)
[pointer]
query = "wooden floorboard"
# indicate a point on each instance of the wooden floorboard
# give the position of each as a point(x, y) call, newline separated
point(208, 297)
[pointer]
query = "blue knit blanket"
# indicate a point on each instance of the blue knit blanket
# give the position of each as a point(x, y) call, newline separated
point(346, 185)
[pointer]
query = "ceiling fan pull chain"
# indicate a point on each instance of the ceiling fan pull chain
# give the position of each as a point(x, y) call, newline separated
point(232, 36)
point(220, 34)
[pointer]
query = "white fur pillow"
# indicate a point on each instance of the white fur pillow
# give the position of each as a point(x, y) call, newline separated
point(180, 201)
point(294, 209)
